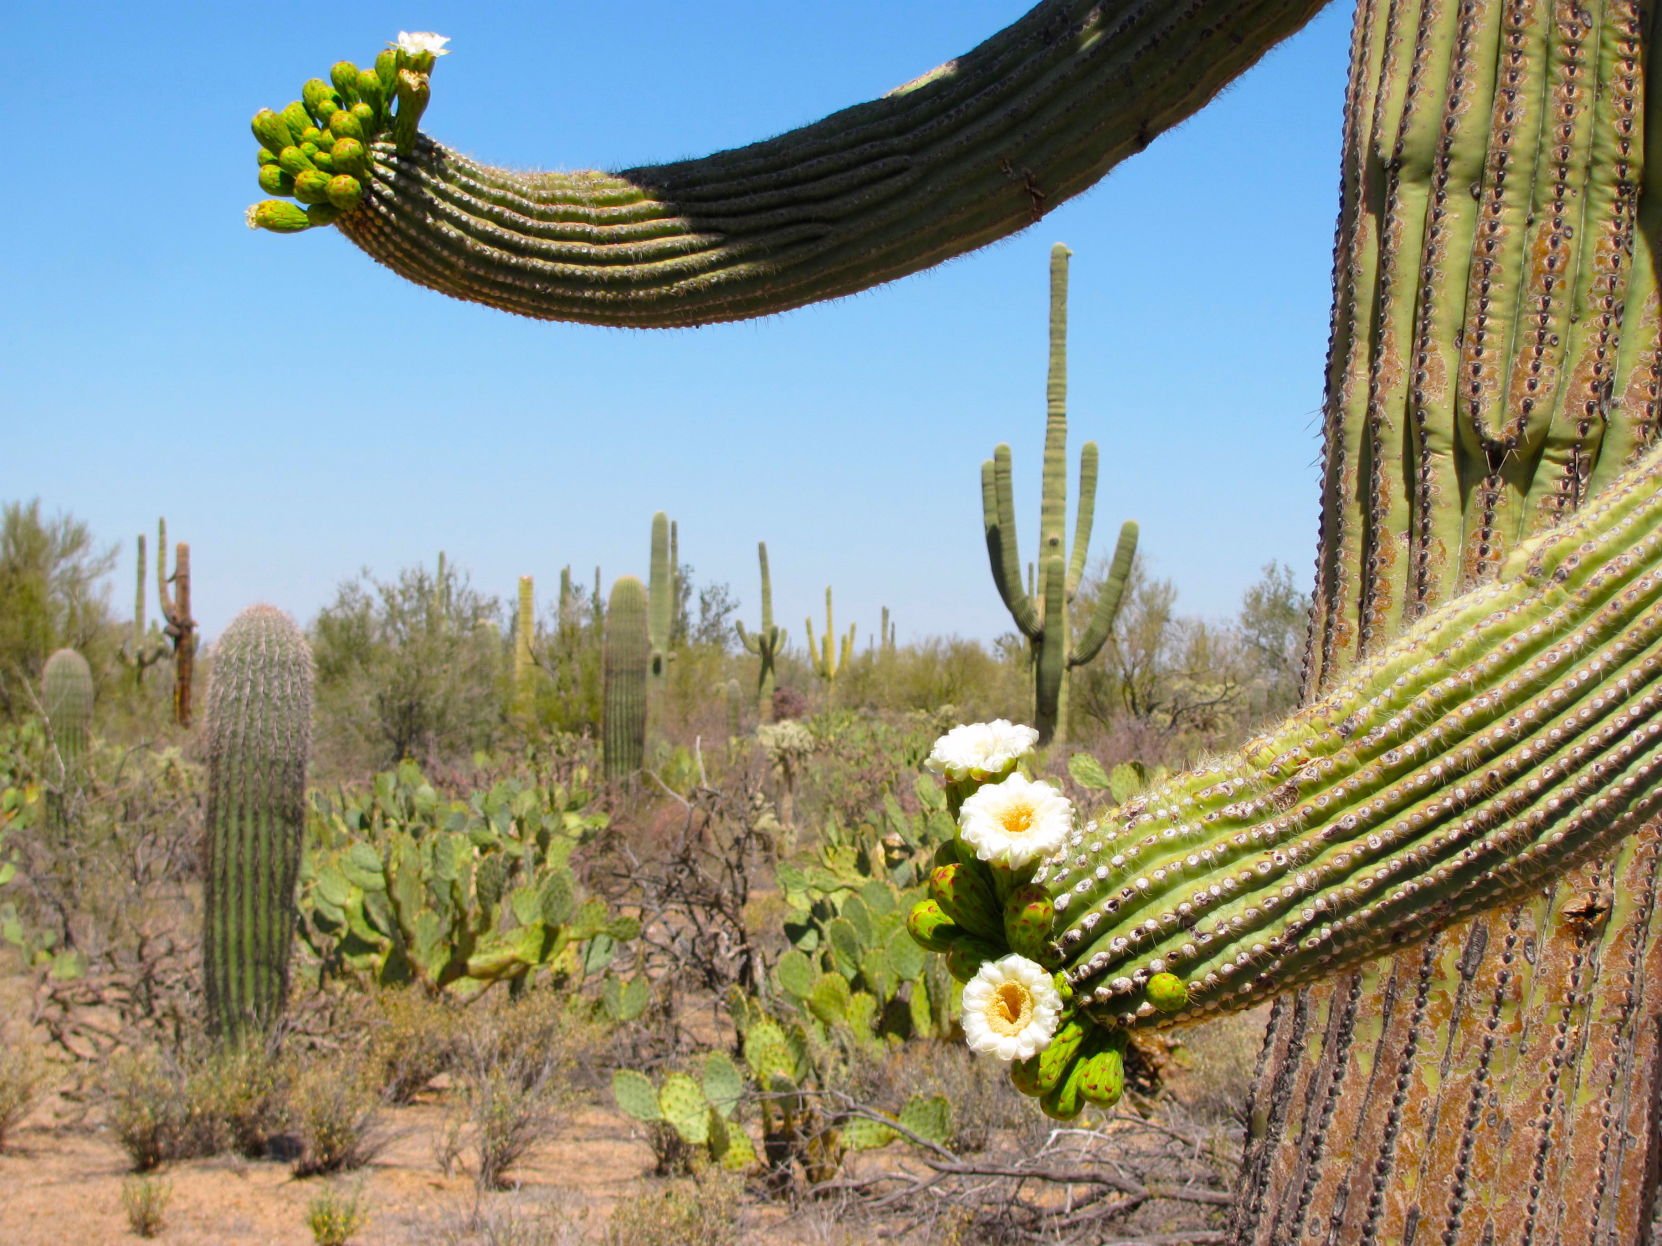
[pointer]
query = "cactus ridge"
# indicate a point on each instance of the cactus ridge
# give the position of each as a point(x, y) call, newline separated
point(259, 737)
point(867, 195)
point(1511, 732)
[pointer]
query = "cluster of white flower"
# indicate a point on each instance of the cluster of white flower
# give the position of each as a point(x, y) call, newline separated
point(415, 42)
point(1011, 1006)
point(981, 751)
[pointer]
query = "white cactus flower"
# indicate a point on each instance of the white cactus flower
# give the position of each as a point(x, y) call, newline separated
point(1011, 1009)
point(981, 750)
point(1015, 822)
point(415, 42)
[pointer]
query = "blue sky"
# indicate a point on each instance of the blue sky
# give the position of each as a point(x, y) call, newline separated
point(298, 413)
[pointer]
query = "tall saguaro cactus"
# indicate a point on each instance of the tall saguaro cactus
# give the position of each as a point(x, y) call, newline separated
point(259, 738)
point(952, 161)
point(625, 659)
point(525, 668)
point(827, 656)
point(1042, 615)
point(767, 643)
point(662, 595)
point(181, 627)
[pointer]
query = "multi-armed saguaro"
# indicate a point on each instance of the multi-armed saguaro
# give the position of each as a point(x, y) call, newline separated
point(259, 736)
point(1043, 615)
point(143, 648)
point(828, 657)
point(767, 643)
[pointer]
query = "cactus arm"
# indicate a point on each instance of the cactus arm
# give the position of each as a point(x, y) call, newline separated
point(1107, 609)
point(259, 732)
point(998, 512)
point(959, 158)
point(1512, 732)
point(1083, 517)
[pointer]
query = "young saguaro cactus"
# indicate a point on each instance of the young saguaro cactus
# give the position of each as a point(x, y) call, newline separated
point(625, 659)
point(767, 643)
point(951, 161)
point(1042, 616)
point(66, 696)
point(827, 656)
point(525, 667)
point(259, 738)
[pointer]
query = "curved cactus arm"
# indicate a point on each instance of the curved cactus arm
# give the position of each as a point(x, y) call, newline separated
point(962, 156)
point(998, 514)
point(1107, 609)
point(1510, 733)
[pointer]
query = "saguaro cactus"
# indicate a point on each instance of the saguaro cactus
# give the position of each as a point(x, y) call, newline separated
point(525, 667)
point(181, 627)
point(827, 656)
point(952, 161)
point(1042, 615)
point(625, 659)
point(661, 595)
point(259, 738)
point(66, 696)
point(767, 643)
point(143, 648)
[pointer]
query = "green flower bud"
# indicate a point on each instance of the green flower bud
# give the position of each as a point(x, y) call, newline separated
point(296, 117)
point(386, 69)
point(345, 124)
point(1167, 992)
point(311, 150)
point(414, 90)
point(350, 157)
point(293, 160)
point(271, 130)
point(345, 192)
point(274, 181)
point(369, 87)
point(311, 186)
point(279, 216)
point(311, 134)
point(344, 74)
point(324, 161)
point(322, 213)
point(315, 94)
point(267, 156)
point(366, 117)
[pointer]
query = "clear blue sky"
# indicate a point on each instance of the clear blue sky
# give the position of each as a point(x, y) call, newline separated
point(298, 413)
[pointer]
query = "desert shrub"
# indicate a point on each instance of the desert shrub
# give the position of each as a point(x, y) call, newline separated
point(23, 1080)
point(145, 1200)
point(413, 1040)
point(335, 1216)
point(236, 1098)
point(149, 1108)
point(334, 1107)
point(704, 1210)
point(194, 1100)
point(513, 1220)
point(517, 1067)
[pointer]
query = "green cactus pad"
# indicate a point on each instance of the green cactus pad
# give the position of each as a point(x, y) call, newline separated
point(685, 1108)
point(635, 1095)
point(795, 974)
point(722, 1082)
point(829, 1000)
point(929, 1117)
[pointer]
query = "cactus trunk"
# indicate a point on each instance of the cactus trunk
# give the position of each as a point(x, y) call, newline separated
point(525, 670)
point(259, 734)
point(181, 627)
point(1494, 362)
point(626, 658)
point(1041, 612)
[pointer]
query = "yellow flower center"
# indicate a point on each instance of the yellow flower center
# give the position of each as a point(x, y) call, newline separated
point(1010, 1009)
point(1018, 818)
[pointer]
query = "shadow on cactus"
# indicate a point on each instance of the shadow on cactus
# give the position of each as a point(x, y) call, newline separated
point(402, 886)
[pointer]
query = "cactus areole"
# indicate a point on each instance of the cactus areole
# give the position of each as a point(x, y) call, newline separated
point(958, 158)
point(259, 738)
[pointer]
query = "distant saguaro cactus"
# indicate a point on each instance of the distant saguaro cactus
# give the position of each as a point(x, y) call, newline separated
point(66, 696)
point(1043, 616)
point(625, 659)
point(661, 596)
point(143, 648)
point(525, 667)
point(181, 627)
point(767, 643)
point(827, 656)
point(259, 737)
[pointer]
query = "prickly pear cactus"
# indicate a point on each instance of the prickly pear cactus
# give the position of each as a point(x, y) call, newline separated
point(688, 1116)
point(259, 737)
point(626, 658)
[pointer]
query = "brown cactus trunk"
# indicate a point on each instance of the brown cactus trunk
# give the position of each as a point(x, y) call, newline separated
point(1495, 358)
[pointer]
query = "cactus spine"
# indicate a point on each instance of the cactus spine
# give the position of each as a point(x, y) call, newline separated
point(767, 643)
point(626, 657)
point(1042, 614)
point(259, 737)
point(827, 656)
point(66, 697)
point(525, 669)
point(142, 649)
point(181, 627)
point(951, 162)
